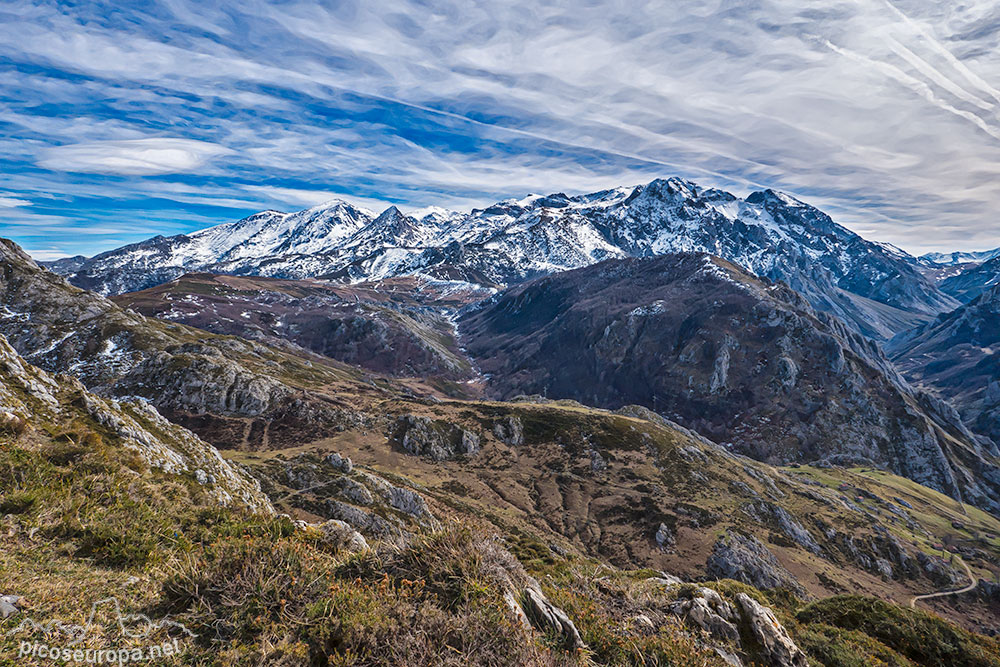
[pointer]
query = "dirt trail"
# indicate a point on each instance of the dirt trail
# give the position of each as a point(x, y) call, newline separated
point(972, 578)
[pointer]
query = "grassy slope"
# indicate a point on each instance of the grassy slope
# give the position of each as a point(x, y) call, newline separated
point(84, 521)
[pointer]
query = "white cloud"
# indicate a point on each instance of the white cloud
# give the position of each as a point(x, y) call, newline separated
point(307, 198)
point(160, 155)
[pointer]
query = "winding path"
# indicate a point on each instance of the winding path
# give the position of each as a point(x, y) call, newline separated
point(972, 578)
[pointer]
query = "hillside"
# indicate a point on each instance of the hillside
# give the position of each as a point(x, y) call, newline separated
point(955, 356)
point(421, 524)
point(240, 587)
point(744, 361)
point(394, 327)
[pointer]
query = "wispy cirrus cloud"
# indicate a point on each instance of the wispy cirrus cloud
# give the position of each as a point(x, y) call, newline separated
point(169, 116)
point(139, 157)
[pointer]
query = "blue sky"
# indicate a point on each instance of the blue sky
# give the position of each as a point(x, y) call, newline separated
point(123, 120)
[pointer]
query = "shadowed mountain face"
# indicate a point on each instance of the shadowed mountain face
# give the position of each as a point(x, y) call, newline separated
point(973, 281)
point(744, 361)
point(395, 327)
point(958, 356)
point(878, 290)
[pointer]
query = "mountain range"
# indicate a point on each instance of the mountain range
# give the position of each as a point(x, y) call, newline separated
point(657, 424)
point(876, 288)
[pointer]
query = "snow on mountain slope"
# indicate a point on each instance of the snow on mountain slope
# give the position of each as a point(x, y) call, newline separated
point(952, 258)
point(769, 233)
point(310, 231)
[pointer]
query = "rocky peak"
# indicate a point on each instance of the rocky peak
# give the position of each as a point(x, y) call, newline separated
point(769, 234)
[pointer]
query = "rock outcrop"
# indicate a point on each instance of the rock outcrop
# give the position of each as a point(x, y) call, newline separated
point(744, 558)
point(435, 439)
point(705, 609)
point(769, 634)
point(547, 617)
point(744, 625)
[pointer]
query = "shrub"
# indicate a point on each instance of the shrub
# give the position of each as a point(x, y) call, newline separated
point(922, 637)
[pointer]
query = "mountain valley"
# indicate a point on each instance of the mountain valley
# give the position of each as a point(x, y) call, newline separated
point(634, 423)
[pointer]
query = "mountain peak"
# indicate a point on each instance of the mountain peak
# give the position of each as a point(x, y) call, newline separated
point(776, 196)
point(770, 234)
point(673, 186)
point(391, 213)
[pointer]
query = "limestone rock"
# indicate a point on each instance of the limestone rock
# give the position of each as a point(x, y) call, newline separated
point(510, 431)
point(664, 536)
point(547, 616)
point(341, 463)
point(435, 439)
point(706, 609)
point(746, 559)
point(340, 535)
point(9, 605)
point(772, 637)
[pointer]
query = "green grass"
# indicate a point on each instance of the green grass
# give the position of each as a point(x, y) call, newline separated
point(922, 637)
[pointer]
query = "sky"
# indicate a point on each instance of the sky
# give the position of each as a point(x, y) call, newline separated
point(122, 120)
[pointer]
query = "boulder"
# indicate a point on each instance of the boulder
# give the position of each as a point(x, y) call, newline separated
point(340, 535)
point(770, 635)
point(9, 605)
point(341, 463)
point(546, 616)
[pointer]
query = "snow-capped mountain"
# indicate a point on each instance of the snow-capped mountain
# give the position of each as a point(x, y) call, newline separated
point(952, 258)
point(972, 280)
point(875, 287)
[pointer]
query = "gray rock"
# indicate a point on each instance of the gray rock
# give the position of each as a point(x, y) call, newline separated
point(437, 440)
point(769, 514)
point(355, 492)
point(744, 558)
point(597, 462)
point(509, 431)
point(769, 634)
point(731, 658)
point(664, 536)
point(546, 616)
point(340, 535)
point(9, 605)
point(341, 463)
point(708, 611)
point(665, 579)
point(408, 501)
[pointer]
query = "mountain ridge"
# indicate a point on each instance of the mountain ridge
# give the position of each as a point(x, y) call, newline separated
point(768, 233)
point(741, 359)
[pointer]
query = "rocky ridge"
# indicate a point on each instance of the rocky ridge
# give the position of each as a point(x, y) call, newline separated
point(877, 289)
point(228, 389)
point(741, 360)
point(32, 399)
